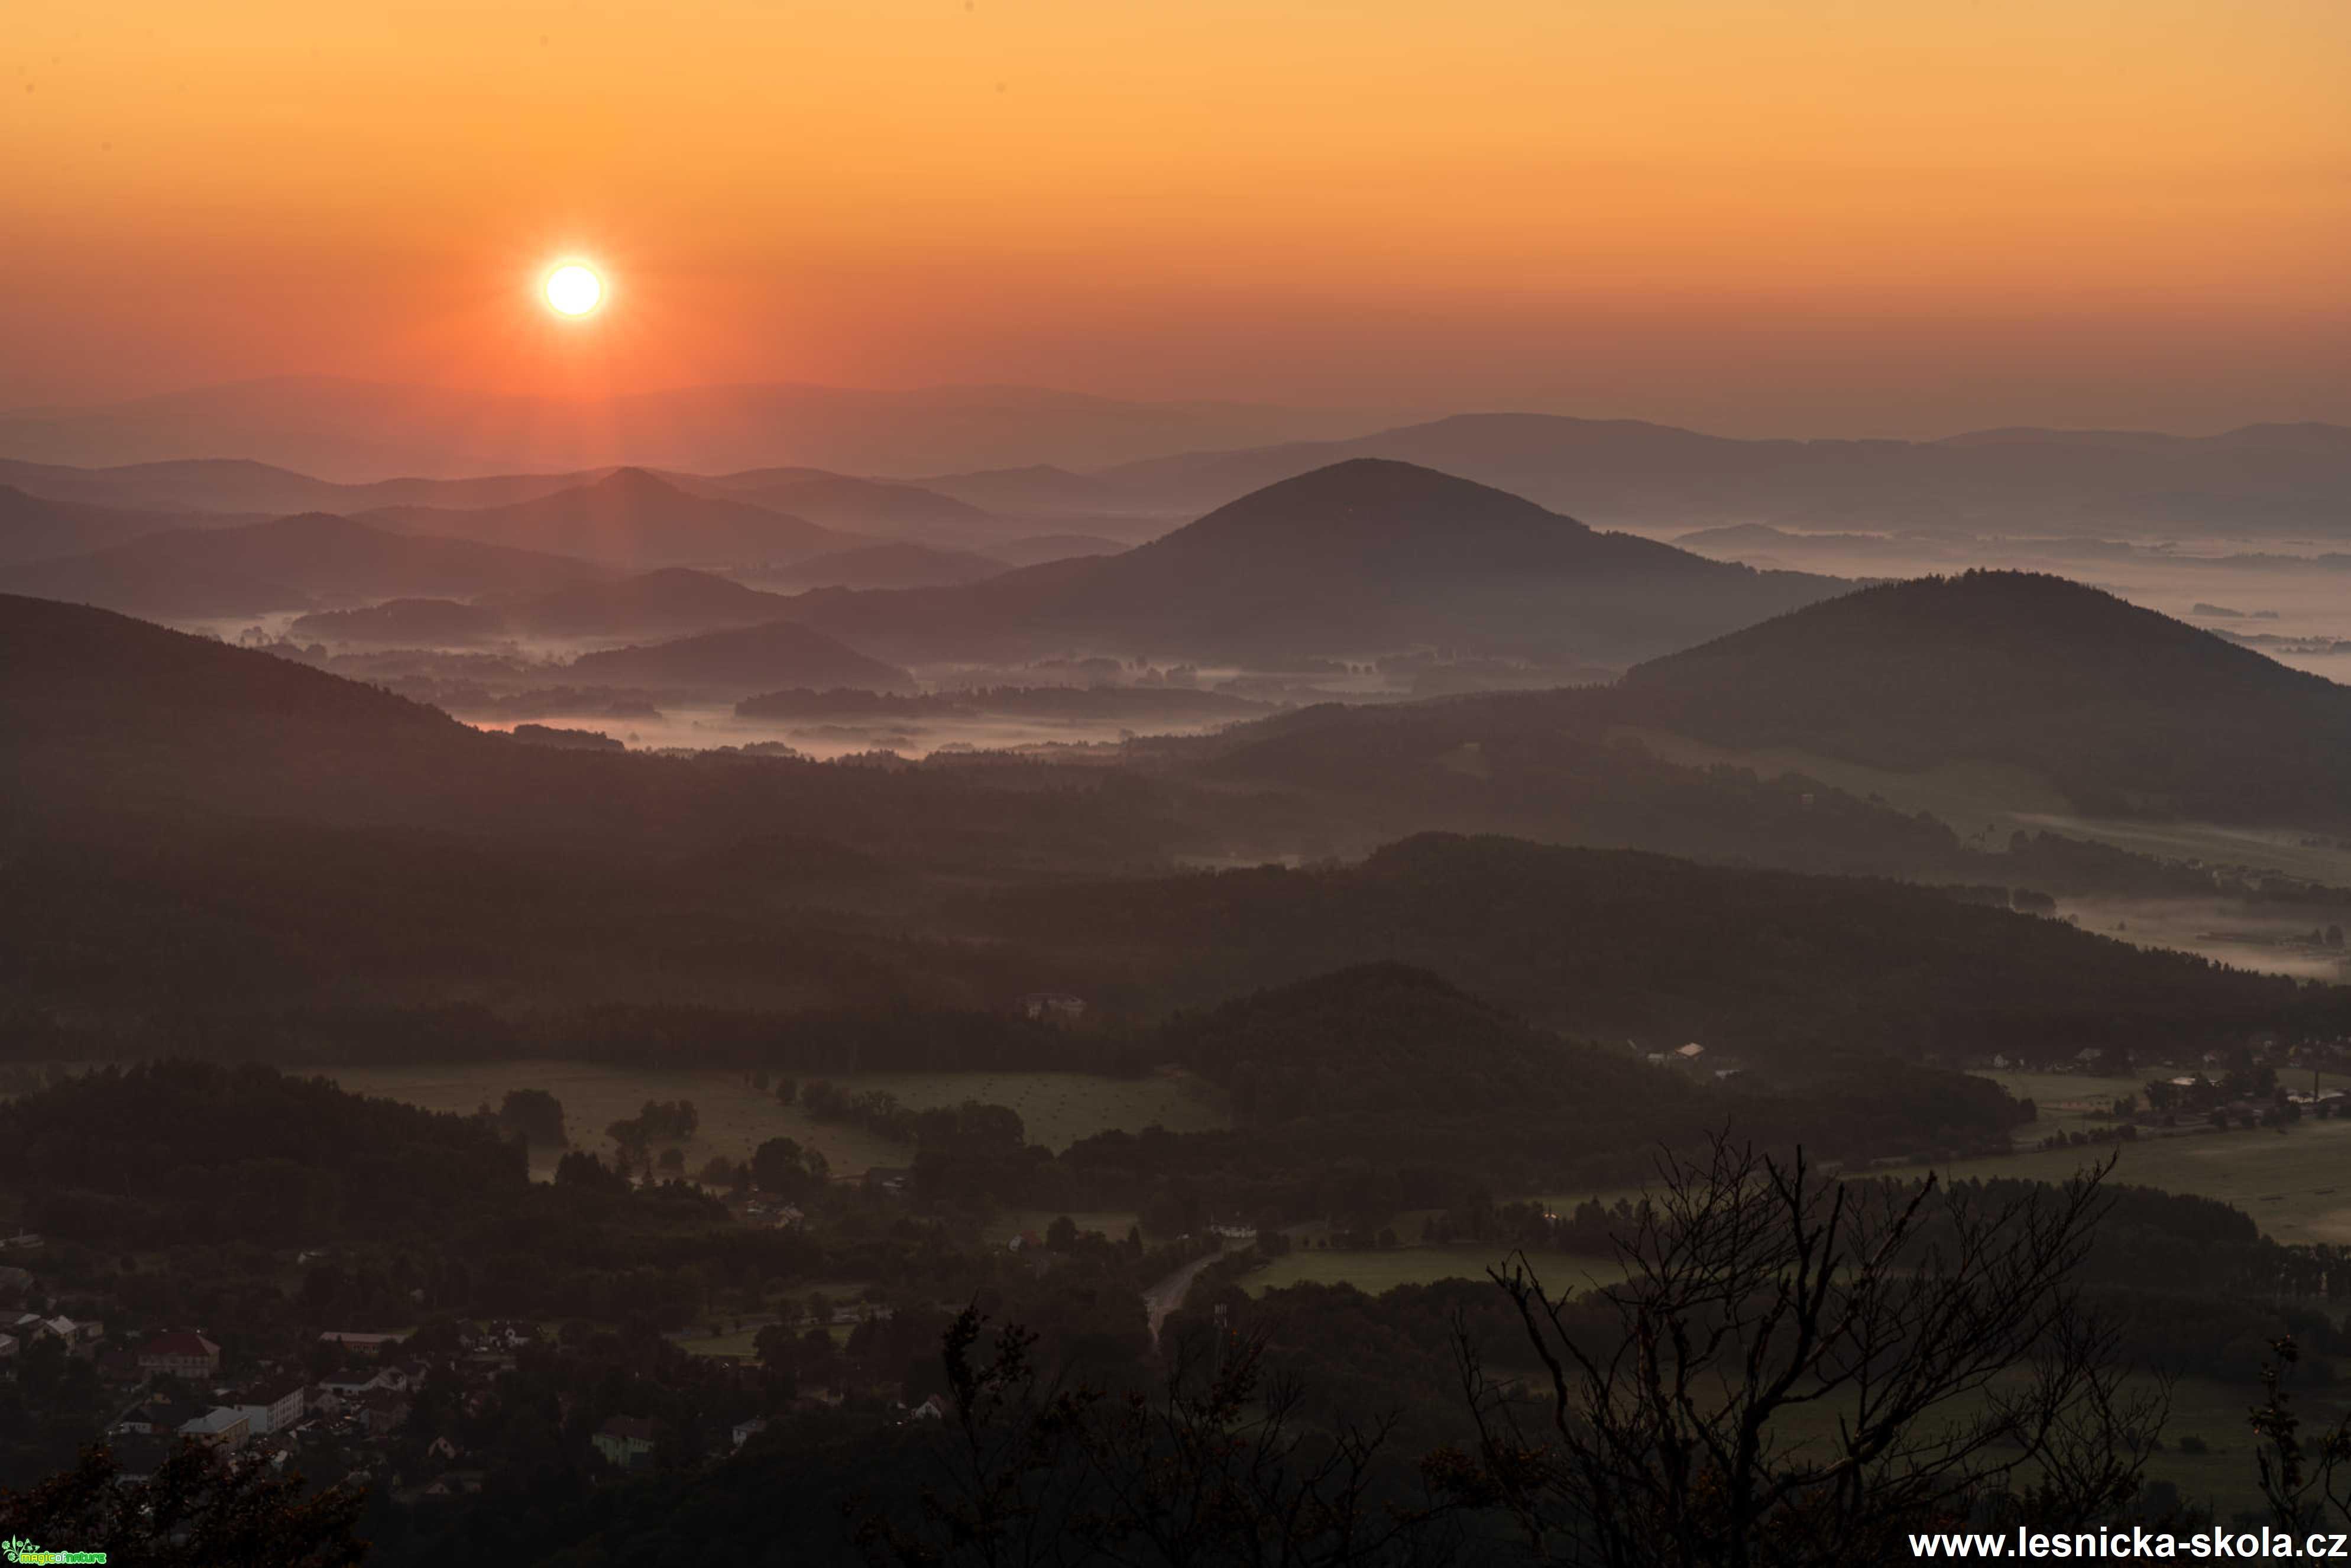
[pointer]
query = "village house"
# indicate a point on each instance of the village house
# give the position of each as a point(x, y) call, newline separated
point(626, 1442)
point(380, 1411)
point(7, 1345)
point(190, 1356)
point(349, 1384)
point(220, 1425)
point(747, 1430)
point(79, 1338)
point(272, 1408)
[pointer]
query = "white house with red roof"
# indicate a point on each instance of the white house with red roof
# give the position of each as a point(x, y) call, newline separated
point(184, 1353)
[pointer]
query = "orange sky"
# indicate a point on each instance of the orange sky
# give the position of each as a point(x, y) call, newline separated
point(1897, 217)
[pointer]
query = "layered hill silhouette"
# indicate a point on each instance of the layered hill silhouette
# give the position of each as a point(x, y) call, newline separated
point(1036, 549)
point(2127, 710)
point(875, 507)
point(290, 563)
point(236, 485)
point(37, 527)
point(107, 713)
point(1039, 490)
point(1613, 945)
point(274, 835)
point(673, 602)
point(356, 430)
point(898, 565)
point(2269, 476)
point(405, 623)
point(750, 659)
point(630, 517)
point(1358, 559)
point(195, 831)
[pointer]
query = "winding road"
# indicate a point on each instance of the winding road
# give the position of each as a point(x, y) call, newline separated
point(1168, 1294)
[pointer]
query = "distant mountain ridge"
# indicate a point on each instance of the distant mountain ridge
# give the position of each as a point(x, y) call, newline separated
point(240, 485)
point(1628, 472)
point(290, 563)
point(673, 601)
point(1057, 462)
point(38, 528)
point(355, 430)
point(630, 517)
point(871, 507)
point(900, 564)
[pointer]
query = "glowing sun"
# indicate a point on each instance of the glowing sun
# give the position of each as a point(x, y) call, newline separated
point(573, 289)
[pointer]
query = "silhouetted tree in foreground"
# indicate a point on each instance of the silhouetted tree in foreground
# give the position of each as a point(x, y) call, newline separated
point(1799, 1371)
point(1215, 1466)
point(2302, 1479)
point(201, 1508)
point(1793, 1371)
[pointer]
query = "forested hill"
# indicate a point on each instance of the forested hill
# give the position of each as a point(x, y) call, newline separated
point(1390, 1058)
point(1388, 1038)
point(2125, 709)
point(1361, 557)
point(187, 1151)
point(1615, 944)
point(107, 715)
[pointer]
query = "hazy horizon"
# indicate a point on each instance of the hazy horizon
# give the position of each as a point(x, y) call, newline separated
point(975, 781)
point(1746, 218)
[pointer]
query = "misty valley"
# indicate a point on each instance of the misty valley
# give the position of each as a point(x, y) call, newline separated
point(1031, 784)
point(537, 1004)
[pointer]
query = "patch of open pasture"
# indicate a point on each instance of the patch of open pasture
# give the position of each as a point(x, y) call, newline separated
point(1376, 1269)
point(2070, 1102)
point(2296, 1184)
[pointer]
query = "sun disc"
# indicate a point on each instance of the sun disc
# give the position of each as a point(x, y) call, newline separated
point(573, 289)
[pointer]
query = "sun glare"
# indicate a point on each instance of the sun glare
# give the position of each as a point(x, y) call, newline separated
point(573, 289)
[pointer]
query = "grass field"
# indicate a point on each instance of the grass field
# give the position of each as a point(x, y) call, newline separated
point(2296, 1184)
point(1057, 1107)
point(1375, 1272)
point(2065, 1100)
point(2208, 1409)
